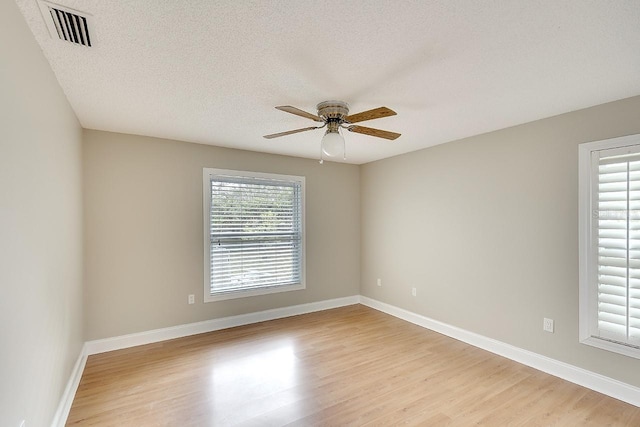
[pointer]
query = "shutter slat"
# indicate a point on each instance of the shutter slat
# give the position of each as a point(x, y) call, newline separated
point(612, 243)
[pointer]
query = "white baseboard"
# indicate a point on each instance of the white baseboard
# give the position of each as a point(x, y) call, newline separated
point(60, 417)
point(600, 383)
point(157, 335)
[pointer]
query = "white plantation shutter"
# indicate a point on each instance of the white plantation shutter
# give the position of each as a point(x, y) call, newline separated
point(255, 232)
point(616, 229)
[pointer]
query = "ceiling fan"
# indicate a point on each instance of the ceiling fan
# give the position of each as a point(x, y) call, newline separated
point(335, 115)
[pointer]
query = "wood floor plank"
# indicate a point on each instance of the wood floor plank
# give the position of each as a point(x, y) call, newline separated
point(352, 366)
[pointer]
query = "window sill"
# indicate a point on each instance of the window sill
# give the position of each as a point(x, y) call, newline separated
point(253, 292)
point(612, 346)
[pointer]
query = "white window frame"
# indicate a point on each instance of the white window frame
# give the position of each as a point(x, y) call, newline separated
point(207, 173)
point(587, 239)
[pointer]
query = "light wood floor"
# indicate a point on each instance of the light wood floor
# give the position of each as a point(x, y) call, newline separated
point(348, 366)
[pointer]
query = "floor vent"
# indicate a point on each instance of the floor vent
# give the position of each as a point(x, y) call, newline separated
point(67, 24)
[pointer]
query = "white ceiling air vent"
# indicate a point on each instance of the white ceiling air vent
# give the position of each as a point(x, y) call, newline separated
point(66, 23)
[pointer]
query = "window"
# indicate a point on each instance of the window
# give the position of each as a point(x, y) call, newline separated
point(610, 244)
point(253, 232)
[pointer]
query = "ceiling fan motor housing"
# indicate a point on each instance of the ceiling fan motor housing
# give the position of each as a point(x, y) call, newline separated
point(333, 110)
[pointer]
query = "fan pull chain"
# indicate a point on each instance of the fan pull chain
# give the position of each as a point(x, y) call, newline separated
point(321, 159)
point(344, 148)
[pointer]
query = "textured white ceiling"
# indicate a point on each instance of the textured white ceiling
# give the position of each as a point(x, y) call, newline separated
point(211, 71)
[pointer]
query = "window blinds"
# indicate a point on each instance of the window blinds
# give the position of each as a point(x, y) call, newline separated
point(255, 229)
point(617, 230)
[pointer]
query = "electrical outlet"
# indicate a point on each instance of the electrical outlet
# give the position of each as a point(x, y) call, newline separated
point(379, 282)
point(413, 292)
point(548, 325)
point(192, 299)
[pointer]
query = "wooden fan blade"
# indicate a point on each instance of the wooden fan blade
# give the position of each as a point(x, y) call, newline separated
point(289, 132)
point(374, 132)
point(376, 113)
point(299, 112)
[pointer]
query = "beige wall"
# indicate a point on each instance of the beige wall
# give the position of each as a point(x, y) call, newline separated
point(486, 229)
point(40, 230)
point(144, 241)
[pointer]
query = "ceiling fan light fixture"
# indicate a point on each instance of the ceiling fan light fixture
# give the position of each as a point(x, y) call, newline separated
point(332, 143)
